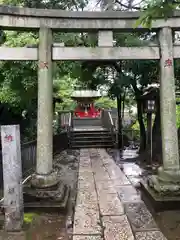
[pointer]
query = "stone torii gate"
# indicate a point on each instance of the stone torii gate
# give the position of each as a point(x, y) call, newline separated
point(104, 23)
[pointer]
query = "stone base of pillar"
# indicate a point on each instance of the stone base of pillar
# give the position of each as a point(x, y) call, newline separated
point(162, 191)
point(165, 182)
point(44, 181)
point(163, 188)
point(45, 191)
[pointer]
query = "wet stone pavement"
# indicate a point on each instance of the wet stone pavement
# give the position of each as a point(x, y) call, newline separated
point(108, 207)
point(168, 221)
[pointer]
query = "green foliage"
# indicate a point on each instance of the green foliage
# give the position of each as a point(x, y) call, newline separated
point(29, 217)
point(106, 103)
point(155, 9)
point(178, 114)
point(65, 87)
point(18, 80)
point(56, 4)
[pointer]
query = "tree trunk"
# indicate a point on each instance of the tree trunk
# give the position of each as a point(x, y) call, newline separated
point(141, 126)
point(119, 108)
point(157, 121)
point(157, 141)
point(123, 104)
point(138, 94)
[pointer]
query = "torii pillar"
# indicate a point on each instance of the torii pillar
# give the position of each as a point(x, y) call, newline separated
point(168, 178)
point(44, 176)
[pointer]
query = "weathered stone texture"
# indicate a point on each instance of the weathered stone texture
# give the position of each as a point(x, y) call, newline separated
point(45, 108)
point(87, 237)
point(128, 194)
point(116, 228)
point(86, 219)
point(105, 38)
point(105, 186)
point(153, 235)
point(12, 17)
point(139, 217)
point(110, 204)
point(12, 176)
point(170, 148)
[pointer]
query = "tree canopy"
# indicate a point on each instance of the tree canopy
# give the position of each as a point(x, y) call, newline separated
point(121, 79)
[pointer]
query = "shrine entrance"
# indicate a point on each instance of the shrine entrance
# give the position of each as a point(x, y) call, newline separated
point(85, 104)
point(104, 24)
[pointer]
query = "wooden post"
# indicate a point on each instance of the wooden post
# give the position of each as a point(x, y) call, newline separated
point(12, 175)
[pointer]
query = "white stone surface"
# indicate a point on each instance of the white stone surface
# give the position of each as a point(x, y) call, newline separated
point(78, 53)
point(105, 53)
point(170, 149)
point(86, 219)
point(105, 38)
point(12, 176)
point(45, 106)
point(69, 21)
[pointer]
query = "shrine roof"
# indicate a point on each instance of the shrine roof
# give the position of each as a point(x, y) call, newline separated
point(85, 94)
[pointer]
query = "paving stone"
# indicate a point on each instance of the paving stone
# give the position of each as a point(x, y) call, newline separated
point(101, 176)
point(109, 181)
point(82, 185)
point(103, 152)
point(114, 170)
point(128, 194)
point(97, 163)
point(100, 171)
point(117, 174)
point(85, 159)
point(107, 161)
point(86, 221)
point(105, 186)
point(118, 183)
point(134, 180)
point(87, 237)
point(85, 169)
point(86, 197)
point(139, 216)
point(84, 163)
point(84, 155)
point(153, 235)
point(110, 204)
point(117, 228)
point(86, 176)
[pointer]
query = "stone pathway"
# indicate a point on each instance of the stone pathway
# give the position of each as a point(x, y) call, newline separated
point(108, 207)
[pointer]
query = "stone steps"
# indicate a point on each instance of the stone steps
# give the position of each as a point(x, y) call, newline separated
point(91, 139)
point(87, 122)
